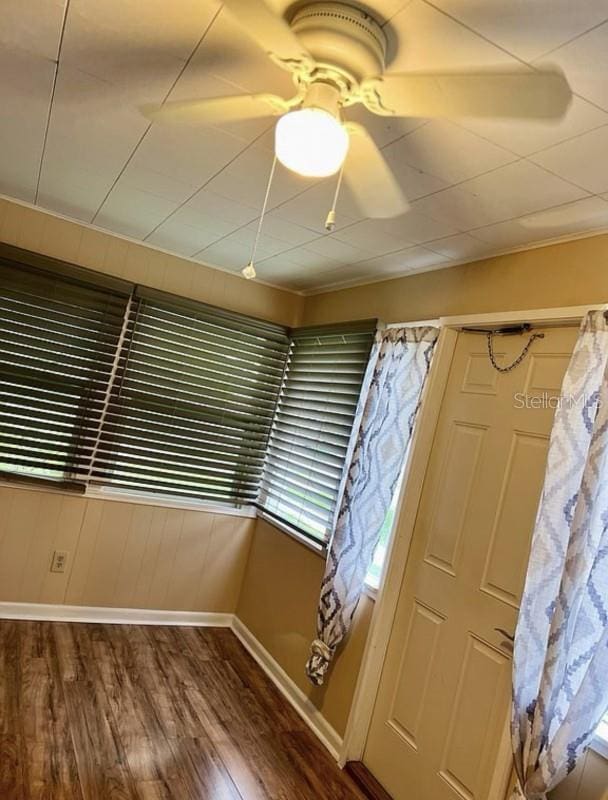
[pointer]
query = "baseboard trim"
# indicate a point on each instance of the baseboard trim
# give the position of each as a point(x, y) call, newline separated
point(311, 715)
point(123, 616)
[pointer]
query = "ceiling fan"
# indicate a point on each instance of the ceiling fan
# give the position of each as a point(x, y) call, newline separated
point(336, 54)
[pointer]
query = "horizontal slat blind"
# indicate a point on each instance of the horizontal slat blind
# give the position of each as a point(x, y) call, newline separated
point(108, 383)
point(193, 401)
point(313, 423)
point(58, 338)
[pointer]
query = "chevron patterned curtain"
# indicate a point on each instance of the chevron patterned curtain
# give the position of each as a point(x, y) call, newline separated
point(390, 396)
point(560, 669)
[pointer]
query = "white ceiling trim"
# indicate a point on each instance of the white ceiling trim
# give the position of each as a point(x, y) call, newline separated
point(571, 237)
point(310, 292)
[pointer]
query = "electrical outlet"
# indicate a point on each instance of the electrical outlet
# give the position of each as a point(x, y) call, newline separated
point(60, 561)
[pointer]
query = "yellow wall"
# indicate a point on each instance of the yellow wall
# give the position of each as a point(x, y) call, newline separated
point(123, 555)
point(589, 781)
point(53, 236)
point(278, 604)
point(572, 273)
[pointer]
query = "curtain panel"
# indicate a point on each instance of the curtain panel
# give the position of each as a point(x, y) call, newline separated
point(390, 396)
point(560, 666)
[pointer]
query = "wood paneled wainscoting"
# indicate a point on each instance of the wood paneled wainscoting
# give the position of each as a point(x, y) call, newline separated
point(129, 712)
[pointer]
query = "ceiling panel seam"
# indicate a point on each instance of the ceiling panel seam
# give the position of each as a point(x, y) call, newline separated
point(388, 20)
point(470, 232)
point(561, 177)
point(289, 200)
point(145, 133)
point(424, 245)
point(476, 33)
point(573, 39)
point(544, 147)
point(207, 182)
point(517, 160)
point(531, 64)
point(64, 20)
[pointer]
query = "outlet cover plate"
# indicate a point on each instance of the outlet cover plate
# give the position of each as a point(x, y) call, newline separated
point(60, 561)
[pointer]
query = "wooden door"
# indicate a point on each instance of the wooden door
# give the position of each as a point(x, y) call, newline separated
point(444, 693)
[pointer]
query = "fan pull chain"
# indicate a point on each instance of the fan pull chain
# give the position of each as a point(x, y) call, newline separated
point(330, 222)
point(519, 358)
point(249, 271)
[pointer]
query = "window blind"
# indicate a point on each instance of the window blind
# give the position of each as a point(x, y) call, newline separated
point(108, 383)
point(58, 338)
point(313, 422)
point(192, 402)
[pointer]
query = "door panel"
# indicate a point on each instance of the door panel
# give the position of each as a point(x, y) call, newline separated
point(413, 676)
point(452, 495)
point(443, 698)
point(505, 568)
point(476, 710)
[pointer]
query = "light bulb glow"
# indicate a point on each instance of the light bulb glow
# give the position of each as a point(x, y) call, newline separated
point(311, 142)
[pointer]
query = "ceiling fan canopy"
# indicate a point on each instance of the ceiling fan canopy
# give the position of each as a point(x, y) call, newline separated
point(336, 54)
point(346, 44)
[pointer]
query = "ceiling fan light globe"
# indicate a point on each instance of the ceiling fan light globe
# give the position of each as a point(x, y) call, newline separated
point(311, 142)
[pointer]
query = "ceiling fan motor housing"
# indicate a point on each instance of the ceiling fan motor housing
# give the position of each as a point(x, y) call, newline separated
point(341, 38)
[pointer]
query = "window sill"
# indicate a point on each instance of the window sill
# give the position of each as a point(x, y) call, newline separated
point(35, 483)
point(371, 591)
point(117, 496)
point(316, 547)
point(150, 499)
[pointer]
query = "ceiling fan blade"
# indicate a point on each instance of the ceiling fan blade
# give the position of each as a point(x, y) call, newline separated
point(213, 110)
point(544, 94)
point(269, 30)
point(369, 177)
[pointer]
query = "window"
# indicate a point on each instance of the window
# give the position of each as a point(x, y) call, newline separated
point(58, 338)
point(193, 400)
point(312, 426)
point(116, 385)
point(374, 573)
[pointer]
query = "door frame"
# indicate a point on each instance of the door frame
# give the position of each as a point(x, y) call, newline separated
point(387, 598)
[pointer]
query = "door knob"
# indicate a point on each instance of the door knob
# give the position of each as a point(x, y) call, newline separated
point(507, 643)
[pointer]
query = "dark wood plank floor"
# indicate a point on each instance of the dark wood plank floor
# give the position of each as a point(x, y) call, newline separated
point(371, 788)
point(111, 712)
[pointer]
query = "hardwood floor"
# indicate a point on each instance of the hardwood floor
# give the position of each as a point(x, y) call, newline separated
point(366, 781)
point(111, 712)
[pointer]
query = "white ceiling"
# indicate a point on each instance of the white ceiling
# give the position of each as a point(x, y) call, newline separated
point(74, 72)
